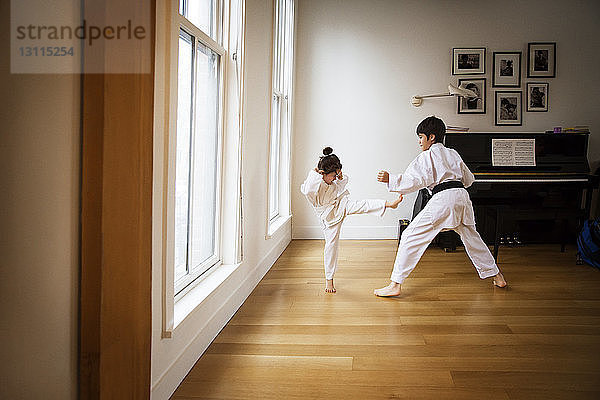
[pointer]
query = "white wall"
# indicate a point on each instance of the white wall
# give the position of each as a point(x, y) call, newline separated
point(360, 62)
point(39, 220)
point(172, 358)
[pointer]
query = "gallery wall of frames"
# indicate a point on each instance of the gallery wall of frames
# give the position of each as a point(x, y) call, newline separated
point(469, 65)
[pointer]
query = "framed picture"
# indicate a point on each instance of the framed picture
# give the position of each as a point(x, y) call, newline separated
point(472, 105)
point(468, 61)
point(537, 96)
point(509, 108)
point(541, 60)
point(507, 69)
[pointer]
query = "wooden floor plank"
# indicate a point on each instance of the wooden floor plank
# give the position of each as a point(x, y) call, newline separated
point(527, 380)
point(300, 391)
point(512, 339)
point(491, 363)
point(545, 394)
point(212, 361)
point(323, 377)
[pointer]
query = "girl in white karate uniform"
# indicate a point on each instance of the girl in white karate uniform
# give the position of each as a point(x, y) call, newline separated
point(325, 189)
point(443, 172)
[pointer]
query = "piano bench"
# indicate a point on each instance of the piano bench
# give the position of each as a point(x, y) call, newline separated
point(498, 210)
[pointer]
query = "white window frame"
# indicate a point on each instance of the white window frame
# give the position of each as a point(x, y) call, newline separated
point(231, 38)
point(278, 186)
point(181, 287)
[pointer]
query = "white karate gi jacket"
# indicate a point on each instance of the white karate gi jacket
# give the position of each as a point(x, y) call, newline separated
point(328, 201)
point(448, 209)
point(438, 164)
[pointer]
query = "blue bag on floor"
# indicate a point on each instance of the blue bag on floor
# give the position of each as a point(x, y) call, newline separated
point(588, 242)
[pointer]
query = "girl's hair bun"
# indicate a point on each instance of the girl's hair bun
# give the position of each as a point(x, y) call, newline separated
point(329, 162)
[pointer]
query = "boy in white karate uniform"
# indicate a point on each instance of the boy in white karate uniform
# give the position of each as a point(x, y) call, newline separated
point(442, 171)
point(325, 189)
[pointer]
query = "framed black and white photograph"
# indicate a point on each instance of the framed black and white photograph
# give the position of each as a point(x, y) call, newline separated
point(509, 108)
point(507, 69)
point(537, 96)
point(541, 60)
point(468, 61)
point(474, 105)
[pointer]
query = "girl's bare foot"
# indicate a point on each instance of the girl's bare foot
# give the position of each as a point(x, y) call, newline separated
point(329, 288)
point(499, 280)
point(393, 204)
point(393, 289)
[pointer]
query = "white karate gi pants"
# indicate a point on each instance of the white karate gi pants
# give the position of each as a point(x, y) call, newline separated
point(332, 233)
point(448, 210)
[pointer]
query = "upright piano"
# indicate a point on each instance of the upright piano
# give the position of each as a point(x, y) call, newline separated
point(545, 201)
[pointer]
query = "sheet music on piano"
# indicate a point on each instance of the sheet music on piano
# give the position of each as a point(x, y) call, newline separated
point(513, 152)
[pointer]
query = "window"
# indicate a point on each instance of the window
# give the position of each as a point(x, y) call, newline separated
point(201, 13)
point(274, 151)
point(198, 142)
point(279, 146)
point(198, 125)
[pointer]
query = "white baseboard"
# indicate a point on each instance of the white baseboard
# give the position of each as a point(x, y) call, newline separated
point(348, 232)
point(233, 297)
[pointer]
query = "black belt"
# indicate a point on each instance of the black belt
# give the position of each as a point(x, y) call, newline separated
point(447, 185)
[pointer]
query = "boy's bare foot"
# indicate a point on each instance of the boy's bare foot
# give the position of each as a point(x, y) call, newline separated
point(393, 289)
point(393, 204)
point(499, 280)
point(329, 288)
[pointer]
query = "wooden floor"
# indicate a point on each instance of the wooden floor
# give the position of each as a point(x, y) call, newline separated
point(449, 335)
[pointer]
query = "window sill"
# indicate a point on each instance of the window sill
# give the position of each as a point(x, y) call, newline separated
point(200, 292)
point(276, 224)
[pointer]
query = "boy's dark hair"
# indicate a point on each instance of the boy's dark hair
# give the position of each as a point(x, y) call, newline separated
point(433, 126)
point(329, 162)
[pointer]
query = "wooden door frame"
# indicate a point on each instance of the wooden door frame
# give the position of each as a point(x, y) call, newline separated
point(115, 314)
